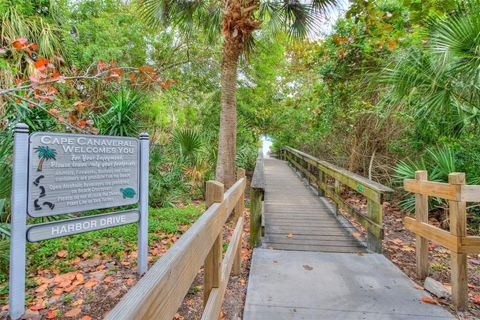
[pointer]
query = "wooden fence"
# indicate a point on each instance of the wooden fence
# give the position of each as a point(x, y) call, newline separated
point(457, 193)
point(320, 172)
point(159, 294)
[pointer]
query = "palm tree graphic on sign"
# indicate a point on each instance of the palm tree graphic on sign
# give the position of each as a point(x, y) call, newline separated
point(44, 153)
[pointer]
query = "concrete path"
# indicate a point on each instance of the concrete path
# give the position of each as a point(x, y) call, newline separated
point(321, 285)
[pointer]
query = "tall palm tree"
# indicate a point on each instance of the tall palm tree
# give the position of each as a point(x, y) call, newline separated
point(236, 20)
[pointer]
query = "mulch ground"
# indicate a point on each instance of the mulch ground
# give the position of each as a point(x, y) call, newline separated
point(98, 283)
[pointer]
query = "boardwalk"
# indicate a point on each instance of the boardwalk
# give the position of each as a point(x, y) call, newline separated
point(310, 267)
point(296, 219)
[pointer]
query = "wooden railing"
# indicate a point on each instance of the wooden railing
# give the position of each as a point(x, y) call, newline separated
point(456, 240)
point(330, 181)
point(159, 294)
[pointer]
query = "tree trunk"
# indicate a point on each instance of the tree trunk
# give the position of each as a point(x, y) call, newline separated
point(226, 160)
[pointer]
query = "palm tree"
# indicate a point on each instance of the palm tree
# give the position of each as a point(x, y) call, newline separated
point(44, 153)
point(441, 81)
point(236, 20)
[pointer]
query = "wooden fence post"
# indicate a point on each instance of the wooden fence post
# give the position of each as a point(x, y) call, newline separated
point(421, 215)
point(321, 181)
point(212, 267)
point(237, 263)
point(256, 197)
point(375, 213)
point(458, 228)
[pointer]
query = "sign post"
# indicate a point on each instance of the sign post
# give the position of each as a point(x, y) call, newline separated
point(142, 254)
point(18, 222)
point(56, 173)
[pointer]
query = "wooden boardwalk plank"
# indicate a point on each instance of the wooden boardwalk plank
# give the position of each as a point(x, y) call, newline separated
point(297, 219)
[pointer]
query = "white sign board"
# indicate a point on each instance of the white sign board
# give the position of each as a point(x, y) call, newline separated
point(73, 173)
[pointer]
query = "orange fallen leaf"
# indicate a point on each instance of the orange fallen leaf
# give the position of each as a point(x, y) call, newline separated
point(429, 300)
point(471, 286)
point(77, 302)
point(476, 299)
point(86, 318)
point(80, 277)
point(130, 282)
point(242, 282)
point(108, 279)
point(57, 291)
point(222, 316)
point(90, 284)
point(290, 235)
point(52, 314)
point(356, 234)
point(73, 313)
point(62, 253)
point(42, 288)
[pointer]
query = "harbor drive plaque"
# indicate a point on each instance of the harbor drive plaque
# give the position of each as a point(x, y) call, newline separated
point(73, 173)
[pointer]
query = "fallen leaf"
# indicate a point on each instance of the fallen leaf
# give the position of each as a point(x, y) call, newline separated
point(62, 253)
point(476, 299)
point(130, 282)
point(222, 315)
point(429, 300)
point(242, 282)
point(108, 279)
point(73, 313)
point(86, 318)
point(275, 261)
point(290, 235)
point(52, 314)
point(307, 267)
point(80, 277)
point(57, 291)
point(77, 302)
point(471, 286)
point(357, 234)
point(90, 284)
point(42, 288)
point(360, 254)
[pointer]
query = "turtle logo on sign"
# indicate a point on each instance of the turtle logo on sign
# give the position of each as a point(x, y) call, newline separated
point(128, 193)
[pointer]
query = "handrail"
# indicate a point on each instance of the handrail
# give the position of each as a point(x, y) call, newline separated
point(161, 291)
point(456, 239)
point(317, 171)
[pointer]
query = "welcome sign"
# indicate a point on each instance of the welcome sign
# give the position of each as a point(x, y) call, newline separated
point(58, 173)
point(72, 173)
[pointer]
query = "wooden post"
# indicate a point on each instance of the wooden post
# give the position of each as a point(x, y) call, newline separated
point(375, 212)
point(458, 228)
point(421, 215)
point(237, 263)
point(256, 197)
point(212, 268)
point(321, 181)
point(238, 211)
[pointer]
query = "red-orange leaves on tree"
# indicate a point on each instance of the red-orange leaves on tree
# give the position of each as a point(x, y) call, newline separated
point(20, 43)
point(41, 64)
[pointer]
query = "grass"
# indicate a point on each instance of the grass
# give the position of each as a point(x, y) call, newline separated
point(113, 242)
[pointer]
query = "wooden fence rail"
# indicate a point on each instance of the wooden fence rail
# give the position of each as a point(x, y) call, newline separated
point(456, 240)
point(159, 294)
point(318, 172)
